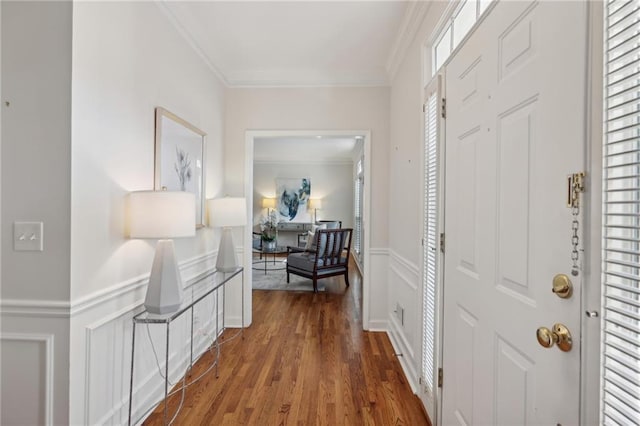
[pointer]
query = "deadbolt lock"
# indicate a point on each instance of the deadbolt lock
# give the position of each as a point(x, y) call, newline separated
point(559, 335)
point(562, 286)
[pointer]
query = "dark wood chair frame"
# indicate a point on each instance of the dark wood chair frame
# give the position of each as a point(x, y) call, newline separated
point(334, 259)
point(302, 238)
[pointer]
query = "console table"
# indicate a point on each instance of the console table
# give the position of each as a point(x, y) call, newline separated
point(289, 232)
point(203, 286)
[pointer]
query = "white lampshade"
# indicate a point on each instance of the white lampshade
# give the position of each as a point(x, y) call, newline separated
point(315, 203)
point(268, 203)
point(227, 212)
point(162, 214)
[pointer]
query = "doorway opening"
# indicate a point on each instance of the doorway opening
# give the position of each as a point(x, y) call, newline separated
point(256, 141)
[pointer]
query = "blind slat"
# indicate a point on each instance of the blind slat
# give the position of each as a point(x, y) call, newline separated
point(621, 212)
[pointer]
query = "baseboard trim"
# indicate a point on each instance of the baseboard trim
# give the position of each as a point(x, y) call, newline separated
point(400, 347)
point(378, 325)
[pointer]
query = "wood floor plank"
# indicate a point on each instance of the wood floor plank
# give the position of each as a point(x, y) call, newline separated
point(305, 360)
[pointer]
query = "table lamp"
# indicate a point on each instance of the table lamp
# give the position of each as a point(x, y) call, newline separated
point(315, 204)
point(163, 215)
point(268, 203)
point(226, 213)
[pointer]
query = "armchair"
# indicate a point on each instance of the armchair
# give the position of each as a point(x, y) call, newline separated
point(329, 257)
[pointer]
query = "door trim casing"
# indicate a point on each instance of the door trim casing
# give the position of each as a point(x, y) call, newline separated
point(591, 365)
point(250, 136)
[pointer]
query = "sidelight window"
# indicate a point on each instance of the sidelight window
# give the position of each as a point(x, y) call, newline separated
point(621, 215)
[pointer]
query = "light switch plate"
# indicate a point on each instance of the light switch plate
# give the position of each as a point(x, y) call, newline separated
point(28, 236)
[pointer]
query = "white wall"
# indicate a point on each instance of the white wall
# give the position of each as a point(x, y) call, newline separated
point(405, 200)
point(78, 175)
point(120, 74)
point(36, 136)
point(312, 109)
point(127, 59)
point(320, 109)
point(330, 181)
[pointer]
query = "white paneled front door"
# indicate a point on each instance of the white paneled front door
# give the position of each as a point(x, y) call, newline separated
point(514, 131)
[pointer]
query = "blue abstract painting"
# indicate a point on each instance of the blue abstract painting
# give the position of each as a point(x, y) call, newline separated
point(293, 199)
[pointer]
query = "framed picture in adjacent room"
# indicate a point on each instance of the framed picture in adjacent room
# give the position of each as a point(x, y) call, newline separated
point(292, 195)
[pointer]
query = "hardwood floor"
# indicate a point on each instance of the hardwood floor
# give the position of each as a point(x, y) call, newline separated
point(304, 361)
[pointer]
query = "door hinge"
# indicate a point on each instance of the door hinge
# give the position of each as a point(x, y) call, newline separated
point(424, 107)
point(444, 108)
point(440, 375)
point(419, 380)
point(442, 242)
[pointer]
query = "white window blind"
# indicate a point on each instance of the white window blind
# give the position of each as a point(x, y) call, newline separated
point(430, 246)
point(357, 244)
point(621, 215)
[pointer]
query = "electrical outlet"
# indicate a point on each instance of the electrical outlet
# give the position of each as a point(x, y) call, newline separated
point(28, 236)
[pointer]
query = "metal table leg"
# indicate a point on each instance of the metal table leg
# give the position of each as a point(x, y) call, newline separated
point(133, 345)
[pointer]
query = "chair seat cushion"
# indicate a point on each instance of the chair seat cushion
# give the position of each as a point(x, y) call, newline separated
point(302, 260)
point(305, 261)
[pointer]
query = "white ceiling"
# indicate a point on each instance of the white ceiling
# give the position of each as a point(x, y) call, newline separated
point(293, 43)
point(305, 149)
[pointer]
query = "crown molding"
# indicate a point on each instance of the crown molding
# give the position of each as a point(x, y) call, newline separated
point(300, 78)
point(186, 35)
point(288, 162)
point(285, 78)
point(413, 17)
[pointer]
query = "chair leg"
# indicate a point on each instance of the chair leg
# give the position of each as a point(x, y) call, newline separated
point(287, 277)
point(315, 285)
point(346, 277)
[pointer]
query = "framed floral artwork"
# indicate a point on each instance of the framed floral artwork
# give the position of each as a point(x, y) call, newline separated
point(179, 158)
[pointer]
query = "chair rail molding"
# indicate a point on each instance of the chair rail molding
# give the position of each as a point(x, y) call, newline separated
point(35, 308)
point(189, 269)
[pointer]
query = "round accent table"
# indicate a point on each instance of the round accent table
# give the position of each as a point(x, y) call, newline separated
point(265, 264)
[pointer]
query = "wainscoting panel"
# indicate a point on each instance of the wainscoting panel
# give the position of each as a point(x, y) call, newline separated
point(101, 338)
point(404, 310)
point(27, 375)
point(378, 273)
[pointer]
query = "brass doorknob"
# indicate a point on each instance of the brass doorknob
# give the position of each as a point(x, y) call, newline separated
point(562, 286)
point(559, 335)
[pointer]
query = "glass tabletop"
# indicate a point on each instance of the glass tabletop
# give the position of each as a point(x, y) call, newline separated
point(274, 250)
point(199, 288)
